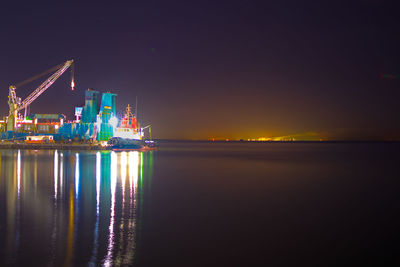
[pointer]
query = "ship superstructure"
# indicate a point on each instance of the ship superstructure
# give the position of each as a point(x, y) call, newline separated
point(128, 127)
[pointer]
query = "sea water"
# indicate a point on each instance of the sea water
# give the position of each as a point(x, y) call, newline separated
point(202, 204)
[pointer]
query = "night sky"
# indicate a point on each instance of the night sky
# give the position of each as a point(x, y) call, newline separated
point(216, 69)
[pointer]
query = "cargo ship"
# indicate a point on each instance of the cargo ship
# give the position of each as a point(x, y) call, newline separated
point(128, 136)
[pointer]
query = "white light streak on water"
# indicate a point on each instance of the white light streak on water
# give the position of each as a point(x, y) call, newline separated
point(133, 169)
point(76, 175)
point(96, 228)
point(61, 173)
point(124, 162)
point(133, 159)
point(18, 173)
point(114, 166)
point(98, 177)
point(55, 174)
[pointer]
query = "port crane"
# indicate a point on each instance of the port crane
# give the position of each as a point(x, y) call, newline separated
point(16, 104)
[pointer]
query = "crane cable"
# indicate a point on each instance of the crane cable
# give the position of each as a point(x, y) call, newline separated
point(39, 75)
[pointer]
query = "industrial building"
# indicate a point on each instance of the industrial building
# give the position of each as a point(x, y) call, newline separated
point(95, 121)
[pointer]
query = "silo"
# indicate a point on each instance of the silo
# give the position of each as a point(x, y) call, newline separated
point(107, 110)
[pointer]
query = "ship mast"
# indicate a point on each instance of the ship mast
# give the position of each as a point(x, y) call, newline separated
point(136, 115)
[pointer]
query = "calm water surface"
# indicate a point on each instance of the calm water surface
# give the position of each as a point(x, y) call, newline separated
point(202, 204)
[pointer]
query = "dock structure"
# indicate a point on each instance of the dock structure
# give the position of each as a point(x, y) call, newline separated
point(95, 124)
point(51, 146)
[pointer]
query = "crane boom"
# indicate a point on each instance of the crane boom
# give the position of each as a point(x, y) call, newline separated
point(43, 87)
point(15, 102)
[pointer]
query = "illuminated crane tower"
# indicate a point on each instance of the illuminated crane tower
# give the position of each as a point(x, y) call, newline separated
point(15, 102)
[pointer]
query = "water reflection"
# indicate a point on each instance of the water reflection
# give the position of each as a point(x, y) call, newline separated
point(55, 173)
point(76, 175)
point(93, 258)
point(61, 173)
point(79, 208)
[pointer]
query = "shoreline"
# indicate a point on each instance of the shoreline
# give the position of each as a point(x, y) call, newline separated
point(52, 146)
point(62, 146)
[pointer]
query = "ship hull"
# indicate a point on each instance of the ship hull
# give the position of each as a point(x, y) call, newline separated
point(126, 147)
point(118, 143)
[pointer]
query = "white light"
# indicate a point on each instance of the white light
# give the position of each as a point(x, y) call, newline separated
point(124, 165)
point(127, 133)
point(61, 172)
point(114, 121)
point(98, 123)
point(133, 169)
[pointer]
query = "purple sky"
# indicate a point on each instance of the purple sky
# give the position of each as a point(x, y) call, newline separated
point(223, 69)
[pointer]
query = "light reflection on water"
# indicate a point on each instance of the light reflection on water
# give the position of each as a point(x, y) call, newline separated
point(55, 173)
point(80, 208)
point(76, 175)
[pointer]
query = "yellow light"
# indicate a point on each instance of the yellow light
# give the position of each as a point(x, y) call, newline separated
point(72, 85)
point(264, 139)
point(103, 143)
